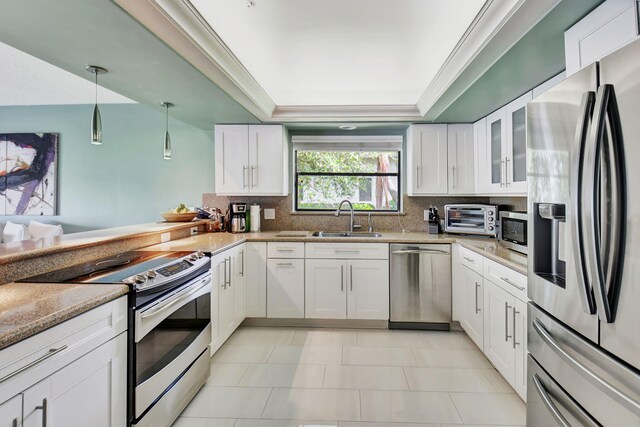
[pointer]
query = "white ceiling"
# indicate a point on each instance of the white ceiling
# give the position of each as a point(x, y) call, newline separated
point(341, 52)
point(27, 80)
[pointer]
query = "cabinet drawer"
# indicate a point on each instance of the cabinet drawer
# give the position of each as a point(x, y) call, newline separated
point(29, 361)
point(508, 279)
point(472, 259)
point(348, 250)
point(285, 250)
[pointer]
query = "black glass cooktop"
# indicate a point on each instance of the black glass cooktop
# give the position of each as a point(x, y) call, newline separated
point(110, 270)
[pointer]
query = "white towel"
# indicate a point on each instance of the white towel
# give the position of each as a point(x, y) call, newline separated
point(13, 232)
point(38, 230)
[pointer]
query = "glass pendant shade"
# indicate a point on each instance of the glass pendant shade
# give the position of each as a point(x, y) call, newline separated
point(167, 146)
point(96, 126)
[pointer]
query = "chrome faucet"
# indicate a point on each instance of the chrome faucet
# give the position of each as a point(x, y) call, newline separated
point(350, 207)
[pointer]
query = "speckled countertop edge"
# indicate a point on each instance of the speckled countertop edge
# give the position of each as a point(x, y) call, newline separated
point(29, 308)
point(28, 249)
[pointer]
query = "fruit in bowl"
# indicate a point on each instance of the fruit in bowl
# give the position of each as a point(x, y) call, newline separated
point(179, 214)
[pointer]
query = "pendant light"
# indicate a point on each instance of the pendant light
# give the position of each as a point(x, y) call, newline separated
point(167, 138)
point(96, 120)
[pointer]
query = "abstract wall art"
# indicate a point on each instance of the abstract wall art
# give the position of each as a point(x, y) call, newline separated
point(28, 163)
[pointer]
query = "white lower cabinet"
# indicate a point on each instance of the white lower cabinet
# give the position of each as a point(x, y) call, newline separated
point(325, 293)
point(346, 289)
point(505, 335)
point(238, 283)
point(368, 296)
point(256, 279)
point(285, 288)
point(472, 316)
point(84, 383)
point(11, 412)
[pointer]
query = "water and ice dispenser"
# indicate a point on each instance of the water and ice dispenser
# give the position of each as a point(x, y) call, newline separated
point(549, 261)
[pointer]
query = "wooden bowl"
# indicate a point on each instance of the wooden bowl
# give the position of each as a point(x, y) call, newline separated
point(179, 217)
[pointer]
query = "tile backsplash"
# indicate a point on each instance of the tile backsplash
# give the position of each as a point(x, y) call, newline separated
point(411, 220)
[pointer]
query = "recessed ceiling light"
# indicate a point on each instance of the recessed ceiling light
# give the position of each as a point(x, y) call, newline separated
point(347, 127)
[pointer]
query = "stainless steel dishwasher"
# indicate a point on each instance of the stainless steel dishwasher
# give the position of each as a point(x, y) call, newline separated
point(420, 287)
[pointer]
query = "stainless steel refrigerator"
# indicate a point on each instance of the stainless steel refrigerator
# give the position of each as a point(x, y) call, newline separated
point(583, 159)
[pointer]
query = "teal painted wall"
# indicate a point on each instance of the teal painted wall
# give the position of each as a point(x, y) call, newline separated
point(125, 180)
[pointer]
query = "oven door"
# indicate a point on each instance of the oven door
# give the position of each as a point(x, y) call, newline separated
point(170, 334)
point(469, 220)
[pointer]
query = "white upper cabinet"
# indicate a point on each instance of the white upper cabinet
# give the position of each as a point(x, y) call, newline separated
point(610, 26)
point(251, 159)
point(482, 170)
point(516, 145)
point(427, 160)
point(461, 159)
point(502, 162)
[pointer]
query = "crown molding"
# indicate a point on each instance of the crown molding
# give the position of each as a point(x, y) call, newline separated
point(180, 26)
point(497, 27)
point(334, 113)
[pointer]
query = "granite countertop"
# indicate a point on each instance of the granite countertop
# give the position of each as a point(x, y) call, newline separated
point(217, 242)
point(26, 249)
point(29, 308)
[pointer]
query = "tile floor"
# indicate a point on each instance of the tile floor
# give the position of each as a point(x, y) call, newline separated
point(290, 377)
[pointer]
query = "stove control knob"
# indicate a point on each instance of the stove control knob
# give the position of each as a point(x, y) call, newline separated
point(200, 254)
point(151, 274)
point(139, 279)
point(490, 228)
point(193, 257)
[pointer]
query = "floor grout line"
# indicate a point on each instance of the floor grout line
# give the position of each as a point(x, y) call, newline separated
point(264, 408)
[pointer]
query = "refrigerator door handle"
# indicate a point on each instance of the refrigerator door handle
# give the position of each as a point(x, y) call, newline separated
point(546, 399)
point(577, 172)
point(603, 385)
point(606, 273)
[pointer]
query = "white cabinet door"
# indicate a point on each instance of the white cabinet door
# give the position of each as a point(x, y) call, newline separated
point(609, 27)
point(498, 329)
point(516, 145)
point(285, 288)
point(325, 289)
point(520, 343)
point(472, 318)
point(231, 159)
point(238, 282)
point(226, 317)
point(482, 165)
point(461, 159)
point(11, 412)
point(368, 289)
point(91, 391)
point(427, 160)
point(268, 160)
point(256, 279)
point(494, 155)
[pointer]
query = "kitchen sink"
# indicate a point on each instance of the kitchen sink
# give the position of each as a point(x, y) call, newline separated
point(344, 234)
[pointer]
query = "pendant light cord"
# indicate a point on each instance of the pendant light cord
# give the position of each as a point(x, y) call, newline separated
point(96, 79)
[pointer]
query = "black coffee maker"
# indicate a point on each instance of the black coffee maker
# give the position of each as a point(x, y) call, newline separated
point(237, 214)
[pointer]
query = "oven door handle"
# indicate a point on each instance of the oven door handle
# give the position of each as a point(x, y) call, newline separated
point(178, 298)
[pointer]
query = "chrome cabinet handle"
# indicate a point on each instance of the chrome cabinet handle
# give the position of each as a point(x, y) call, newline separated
point(348, 251)
point(284, 264)
point(284, 249)
point(515, 313)
point(506, 321)
point(453, 175)
point(228, 271)
point(577, 172)
point(420, 251)
point(548, 402)
point(501, 173)
point(477, 289)
point(14, 423)
point(351, 276)
point(50, 353)
point(244, 174)
point(44, 407)
point(242, 263)
point(469, 259)
point(583, 370)
point(506, 171)
point(417, 176)
point(518, 287)
point(253, 181)
point(342, 278)
point(224, 274)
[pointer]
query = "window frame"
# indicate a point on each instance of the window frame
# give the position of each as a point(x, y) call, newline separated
point(296, 174)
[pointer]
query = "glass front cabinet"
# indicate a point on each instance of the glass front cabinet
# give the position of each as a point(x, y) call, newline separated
point(505, 149)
